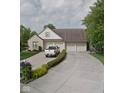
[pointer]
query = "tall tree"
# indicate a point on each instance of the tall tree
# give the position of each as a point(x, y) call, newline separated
point(33, 33)
point(94, 22)
point(51, 26)
point(25, 34)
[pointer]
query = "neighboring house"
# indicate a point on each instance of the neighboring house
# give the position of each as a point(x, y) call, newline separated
point(69, 39)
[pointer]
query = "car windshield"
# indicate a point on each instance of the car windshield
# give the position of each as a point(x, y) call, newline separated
point(52, 47)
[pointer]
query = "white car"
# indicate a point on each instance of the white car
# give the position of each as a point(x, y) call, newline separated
point(52, 51)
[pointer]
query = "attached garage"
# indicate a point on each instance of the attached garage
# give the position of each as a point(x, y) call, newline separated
point(69, 39)
point(81, 47)
point(77, 47)
point(71, 47)
point(75, 39)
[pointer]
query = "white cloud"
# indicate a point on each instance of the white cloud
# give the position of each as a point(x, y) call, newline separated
point(50, 5)
point(61, 13)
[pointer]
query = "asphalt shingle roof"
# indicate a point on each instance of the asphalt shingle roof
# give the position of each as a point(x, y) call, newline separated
point(72, 35)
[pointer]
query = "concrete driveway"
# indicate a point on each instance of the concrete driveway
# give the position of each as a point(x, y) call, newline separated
point(38, 59)
point(78, 73)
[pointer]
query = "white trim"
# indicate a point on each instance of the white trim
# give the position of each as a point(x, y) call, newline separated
point(52, 34)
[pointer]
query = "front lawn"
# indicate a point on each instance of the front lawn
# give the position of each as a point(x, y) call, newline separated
point(99, 56)
point(26, 54)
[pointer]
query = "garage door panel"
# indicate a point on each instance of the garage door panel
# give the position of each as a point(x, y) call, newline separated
point(77, 47)
point(81, 47)
point(71, 47)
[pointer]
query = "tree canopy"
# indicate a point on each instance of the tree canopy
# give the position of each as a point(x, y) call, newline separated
point(25, 34)
point(94, 22)
point(51, 26)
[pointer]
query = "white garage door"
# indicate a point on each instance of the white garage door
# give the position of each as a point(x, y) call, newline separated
point(81, 47)
point(78, 47)
point(71, 47)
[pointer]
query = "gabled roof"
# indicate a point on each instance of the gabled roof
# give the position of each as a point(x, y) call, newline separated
point(72, 35)
point(58, 36)
point(36, 35)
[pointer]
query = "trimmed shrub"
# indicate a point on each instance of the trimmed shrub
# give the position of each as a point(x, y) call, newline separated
point(40, 71)
point(44, 68)
point(56, 61)
point(26, 70)
point(40, 48)
point(35, 51)
point(30, 75)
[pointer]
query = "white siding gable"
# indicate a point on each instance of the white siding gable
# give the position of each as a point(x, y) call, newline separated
point(49, 34)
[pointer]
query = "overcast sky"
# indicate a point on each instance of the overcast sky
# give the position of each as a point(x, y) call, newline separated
point(61, 13)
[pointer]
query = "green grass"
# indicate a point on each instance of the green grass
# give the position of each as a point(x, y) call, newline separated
point(26, 54)
point(99, 56)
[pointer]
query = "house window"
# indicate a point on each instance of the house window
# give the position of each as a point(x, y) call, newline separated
point(35, 45)
point(47, 34)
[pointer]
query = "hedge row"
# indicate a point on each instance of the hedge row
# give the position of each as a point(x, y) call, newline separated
point(40, 71)
point(56, 61)
point(45, 67)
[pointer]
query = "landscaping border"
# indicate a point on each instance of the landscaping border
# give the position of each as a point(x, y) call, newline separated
point(45, 67)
